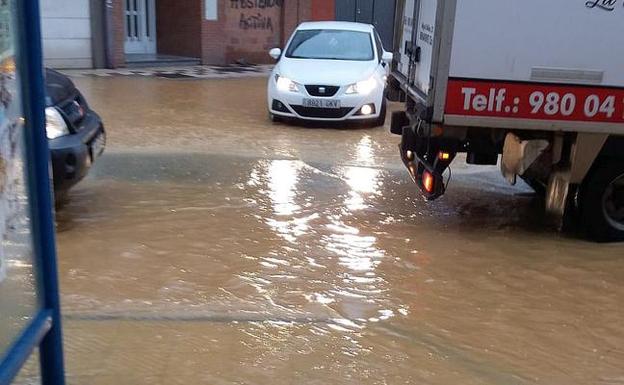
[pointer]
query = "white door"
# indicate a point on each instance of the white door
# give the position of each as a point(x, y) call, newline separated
point(425, 36)
point(66, 32)
point(140, 26)
point(407, 35)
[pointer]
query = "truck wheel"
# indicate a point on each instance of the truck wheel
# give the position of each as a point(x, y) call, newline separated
point(602, 202)
point(537, 186)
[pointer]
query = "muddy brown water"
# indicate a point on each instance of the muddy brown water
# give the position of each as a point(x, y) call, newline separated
point(211, 246)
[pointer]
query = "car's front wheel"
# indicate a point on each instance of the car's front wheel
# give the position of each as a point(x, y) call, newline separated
point(381, 120)
point(274, 118)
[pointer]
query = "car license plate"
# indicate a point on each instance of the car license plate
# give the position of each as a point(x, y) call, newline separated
point(321, 103)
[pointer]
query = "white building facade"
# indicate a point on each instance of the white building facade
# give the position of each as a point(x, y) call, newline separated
point(67, 33)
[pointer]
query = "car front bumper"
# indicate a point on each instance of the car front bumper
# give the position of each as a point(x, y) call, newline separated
point(72, 155)
point(350, 105)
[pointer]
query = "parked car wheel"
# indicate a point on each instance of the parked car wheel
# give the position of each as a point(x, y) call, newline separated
point(274, 118)
point(602, 202)
point(381, 120)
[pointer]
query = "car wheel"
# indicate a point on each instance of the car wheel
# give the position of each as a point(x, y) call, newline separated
point(274, 118)
point(602, 202)
point(381, 120)
point(61, 198)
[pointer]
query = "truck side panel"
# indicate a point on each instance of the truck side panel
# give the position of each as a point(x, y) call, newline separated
point(536, 65)
point(560, 41)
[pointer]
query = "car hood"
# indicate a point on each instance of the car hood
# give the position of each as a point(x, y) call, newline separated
point(58, 87)
point(326, 72)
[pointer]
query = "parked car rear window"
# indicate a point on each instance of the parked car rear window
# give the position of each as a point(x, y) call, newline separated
point(331, 45)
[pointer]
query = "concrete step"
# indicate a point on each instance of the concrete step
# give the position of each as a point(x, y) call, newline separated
point(160, 63)
point(142, 61)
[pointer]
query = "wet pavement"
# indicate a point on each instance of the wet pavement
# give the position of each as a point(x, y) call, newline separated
point(209, 246)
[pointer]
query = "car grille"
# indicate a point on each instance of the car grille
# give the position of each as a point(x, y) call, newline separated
point(322, 91)
point(74, 110)
point(328, 113)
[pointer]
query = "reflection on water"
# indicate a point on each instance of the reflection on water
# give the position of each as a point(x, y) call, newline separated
point(362, 180)
point(324, 238)
point(355, 252)
point(364, 153)
point(283, 176)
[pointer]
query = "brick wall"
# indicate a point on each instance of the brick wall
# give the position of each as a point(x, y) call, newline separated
point(213, 39)
point(295, 12)
point(245, 30)
point(252, 28)
point(178, 27)
point(323, 10)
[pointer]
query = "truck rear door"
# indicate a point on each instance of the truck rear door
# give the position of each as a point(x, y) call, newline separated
point(425, 30)
point(405, 43)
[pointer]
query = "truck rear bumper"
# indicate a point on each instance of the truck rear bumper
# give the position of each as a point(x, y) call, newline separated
point(426, 159)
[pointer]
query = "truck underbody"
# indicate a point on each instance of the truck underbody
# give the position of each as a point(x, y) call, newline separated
point(580, 175)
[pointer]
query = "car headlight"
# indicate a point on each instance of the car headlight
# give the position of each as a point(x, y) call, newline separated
point(55, 124)
point(364, 87)
point(285, 84)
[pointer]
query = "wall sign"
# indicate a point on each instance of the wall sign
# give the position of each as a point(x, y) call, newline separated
point(255, 14)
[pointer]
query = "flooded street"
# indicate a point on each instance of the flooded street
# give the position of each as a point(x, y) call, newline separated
point(210, 246)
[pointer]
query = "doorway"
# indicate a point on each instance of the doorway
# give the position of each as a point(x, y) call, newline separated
point(379, 13)
point(140, 26)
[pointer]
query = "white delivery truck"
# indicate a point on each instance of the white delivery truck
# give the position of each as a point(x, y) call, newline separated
point(539, 83)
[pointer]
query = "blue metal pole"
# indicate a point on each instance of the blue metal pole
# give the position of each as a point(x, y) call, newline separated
point(30, 66)
point(23, 347)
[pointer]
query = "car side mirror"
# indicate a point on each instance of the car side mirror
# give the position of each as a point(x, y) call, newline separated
point(387, 57)
point(275, 53)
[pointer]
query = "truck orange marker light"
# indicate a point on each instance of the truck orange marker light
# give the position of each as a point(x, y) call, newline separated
point(428, 181)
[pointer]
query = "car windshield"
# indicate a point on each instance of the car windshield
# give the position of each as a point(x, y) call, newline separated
point(331, 45)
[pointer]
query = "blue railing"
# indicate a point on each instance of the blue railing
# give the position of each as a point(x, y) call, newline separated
point(44, 331)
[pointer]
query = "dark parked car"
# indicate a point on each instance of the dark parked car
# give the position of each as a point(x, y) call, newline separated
point(75, 132)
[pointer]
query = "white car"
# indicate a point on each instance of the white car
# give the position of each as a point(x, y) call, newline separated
point(330, 71)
